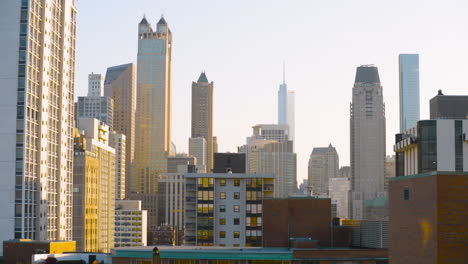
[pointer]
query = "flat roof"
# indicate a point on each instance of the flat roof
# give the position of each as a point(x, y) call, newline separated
point(229, 175)
point(427, 174)
point(230, 253)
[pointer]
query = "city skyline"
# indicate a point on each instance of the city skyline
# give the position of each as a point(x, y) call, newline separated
point(317, 68)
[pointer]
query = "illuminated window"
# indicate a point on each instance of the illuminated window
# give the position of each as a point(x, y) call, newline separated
point(236, 182)
point(236, 234)
point(222, 182)
point(222, 221)
point(236, 208)
point(222, 195)
point(222, 234)
point(237, 195)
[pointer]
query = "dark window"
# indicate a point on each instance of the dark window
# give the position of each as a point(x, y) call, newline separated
point(458, 145)
point(236, 221)
point(222, 208)
point(236, 195)
point(406, 194)
point(427, 146)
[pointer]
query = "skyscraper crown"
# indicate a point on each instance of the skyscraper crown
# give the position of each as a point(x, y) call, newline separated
point(367, 74)
point(202, 78)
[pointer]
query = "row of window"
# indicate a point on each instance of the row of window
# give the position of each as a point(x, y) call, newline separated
point(222, 195)
point(236, 208)
point(235, 234)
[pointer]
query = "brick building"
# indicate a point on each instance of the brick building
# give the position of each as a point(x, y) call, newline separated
point(428, 218)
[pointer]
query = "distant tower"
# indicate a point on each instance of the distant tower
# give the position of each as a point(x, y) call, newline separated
point(153, 112)
point(323, 165)
point(409, 90)
point(286, 106)
point(367, 139)
point(202, 115)
point(95, 85)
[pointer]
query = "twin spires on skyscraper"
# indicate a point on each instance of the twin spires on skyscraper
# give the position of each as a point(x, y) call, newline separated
point(145, 27)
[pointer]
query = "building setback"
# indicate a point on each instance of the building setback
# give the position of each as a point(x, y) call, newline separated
point(367, 139)
point(202, 115)
point(153, 112)
point(36, 111)
point(409, 90)
point(120, 85)
point(96, 140)
point(225, 209)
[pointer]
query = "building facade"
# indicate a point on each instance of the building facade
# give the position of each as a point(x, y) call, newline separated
point(99, 107)
point(96, 138)
point(433, 145)
point(367, 139)
point(202, 115)
point(119, 143)
point(153, 112)
point(120, 85)
point(448, 106)
point(198, 149)
point(225, 209)
point(36, 109)
point(338, 191)
point(409, 90)
point(130, 224)
point(390, 170)
point(95, 85)
point(229, 162)
point(323, 165)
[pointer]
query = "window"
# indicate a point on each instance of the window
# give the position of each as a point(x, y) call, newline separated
point(236, 234)
point(236, 221)
point(222, 208)
point(237, 195)
point(236, 208)
point(236, 182)
point(222, 182)
point(222, 195)
point(222, 221)
point(222, 234)
point(236, 245)
point(406, 194)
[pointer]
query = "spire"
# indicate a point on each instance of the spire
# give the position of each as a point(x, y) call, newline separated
point(144, 21)
point(162, 21)
point(284, 71)
point(202, 78)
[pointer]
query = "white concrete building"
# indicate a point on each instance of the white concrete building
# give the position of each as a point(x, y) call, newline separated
point(338, 191)
point(323, 165)
point(367, 129)
point(119, 143)
point(95, 85)
point(130, 224)
point(37, 68)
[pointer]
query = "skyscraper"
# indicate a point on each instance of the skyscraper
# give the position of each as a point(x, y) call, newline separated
point(197, 149)
point(367, 139)
point(409, 90)
point(36, 111)
point(202, 115)
point(286, 107)
point(99, 107)
point(153, 112)
point(323, 165)
point(119, 84)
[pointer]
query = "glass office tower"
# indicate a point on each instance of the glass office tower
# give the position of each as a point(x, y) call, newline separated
point(409, 90)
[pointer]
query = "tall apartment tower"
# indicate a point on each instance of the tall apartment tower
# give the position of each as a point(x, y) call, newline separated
point(119, 85)
point(93, 213)
point(37, 118)
point(367, 139)
point(153, 112)
point(409, 90)
point(286, 107)
point(95, 85)
point(202, 114)
point(198, 149)
point(323, 165)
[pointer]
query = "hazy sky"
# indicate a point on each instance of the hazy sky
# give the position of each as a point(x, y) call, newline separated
point(241, 46)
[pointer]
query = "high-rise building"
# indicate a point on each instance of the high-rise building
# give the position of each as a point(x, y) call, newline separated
point(197, 149)
point(345, 171)
point(433, 145)
point(179, 163)
point(338, 190)
point(286, 107)
point(409, 90)
point(118, 142)
point(270, 132)
point(367, 139)
point(323, 165)
point(448, 107)
point(98, 107)
point(215, 144)
point(229, 163)
point(96, 141)
point(225, 209)
point(130, 224)
point(36, 111)
point(119, 85)
point(202, 115)
point(153, 112)
point(95, 85)
point(390, 170)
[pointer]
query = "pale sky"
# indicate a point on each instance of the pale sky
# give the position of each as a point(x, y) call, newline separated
point(241, 45)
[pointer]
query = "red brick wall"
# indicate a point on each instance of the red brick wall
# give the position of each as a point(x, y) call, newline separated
point(285, 218)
